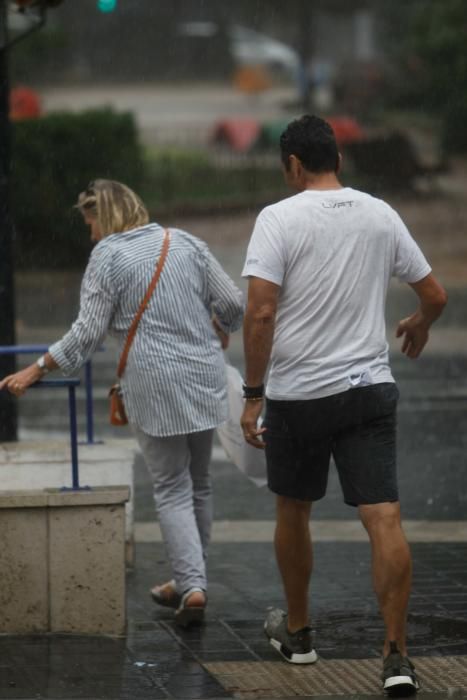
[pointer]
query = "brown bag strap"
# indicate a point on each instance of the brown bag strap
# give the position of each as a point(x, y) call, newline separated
point(143, 305)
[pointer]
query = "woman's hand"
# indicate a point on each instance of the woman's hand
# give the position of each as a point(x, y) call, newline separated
point(222, 335)
point(18, 383)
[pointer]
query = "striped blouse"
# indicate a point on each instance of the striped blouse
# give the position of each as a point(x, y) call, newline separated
point(174, 382)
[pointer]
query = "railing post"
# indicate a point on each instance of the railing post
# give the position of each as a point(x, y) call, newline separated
point(30, 349)
point(73, 438)
point(71, 384)
point(8, 409)
point(89, 404)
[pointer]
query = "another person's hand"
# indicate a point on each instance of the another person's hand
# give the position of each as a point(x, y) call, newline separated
point(18, 383)
point(414, 331)
point(249, 423)
point(222, 335)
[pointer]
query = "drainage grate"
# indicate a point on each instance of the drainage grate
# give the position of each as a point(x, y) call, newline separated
point(247, 680)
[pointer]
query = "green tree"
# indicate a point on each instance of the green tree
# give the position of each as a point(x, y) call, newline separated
point(440, 38)
point(428, 39)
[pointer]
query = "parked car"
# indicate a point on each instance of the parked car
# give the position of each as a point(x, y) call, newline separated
point(248, 47)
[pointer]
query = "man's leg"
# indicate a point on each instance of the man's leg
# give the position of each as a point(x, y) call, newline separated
point(294, 557)
point(392, 568)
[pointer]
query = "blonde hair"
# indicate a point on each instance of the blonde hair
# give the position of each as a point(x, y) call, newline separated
point(114, 205)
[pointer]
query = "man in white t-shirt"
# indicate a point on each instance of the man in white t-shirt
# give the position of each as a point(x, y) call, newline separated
point(319, 265)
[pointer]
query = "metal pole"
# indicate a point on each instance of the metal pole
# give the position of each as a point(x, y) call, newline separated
point(8, 412)
point(305, 48)
point(89, 402)
point(73, 437)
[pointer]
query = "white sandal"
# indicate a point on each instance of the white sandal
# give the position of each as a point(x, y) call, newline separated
point(171, 601)
point(190, 615)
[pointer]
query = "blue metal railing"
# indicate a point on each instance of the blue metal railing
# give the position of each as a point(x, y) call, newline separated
point(41, 349)
point(71, 384)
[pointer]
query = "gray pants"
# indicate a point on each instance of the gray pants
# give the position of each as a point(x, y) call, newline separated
point(179, 466)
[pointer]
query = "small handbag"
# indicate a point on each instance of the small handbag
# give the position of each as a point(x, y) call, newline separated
point(117, 409)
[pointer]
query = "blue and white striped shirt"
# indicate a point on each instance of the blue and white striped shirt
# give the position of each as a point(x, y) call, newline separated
point(174, 382)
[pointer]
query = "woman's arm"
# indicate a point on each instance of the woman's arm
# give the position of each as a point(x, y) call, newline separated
point(97, 302)
point(225, 299)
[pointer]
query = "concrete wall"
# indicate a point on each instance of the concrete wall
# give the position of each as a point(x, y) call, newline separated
point(47, 464)
point(62, 561)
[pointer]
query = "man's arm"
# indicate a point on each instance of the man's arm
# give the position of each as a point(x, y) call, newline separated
point(415, 328)
point(258, 333)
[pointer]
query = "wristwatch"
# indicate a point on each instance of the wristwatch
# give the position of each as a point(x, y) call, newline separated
point(42, 366)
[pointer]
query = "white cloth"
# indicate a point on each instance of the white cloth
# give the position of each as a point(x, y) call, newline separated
point(250, 460)
point(174, 382)
point(333, 254)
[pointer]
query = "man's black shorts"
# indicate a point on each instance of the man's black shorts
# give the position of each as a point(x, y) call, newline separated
point(356, 427)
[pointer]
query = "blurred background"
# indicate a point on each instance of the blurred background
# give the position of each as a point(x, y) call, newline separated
point(184, 100)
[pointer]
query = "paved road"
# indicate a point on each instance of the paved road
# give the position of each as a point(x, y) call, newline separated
point(229, 656)
point(180, 114)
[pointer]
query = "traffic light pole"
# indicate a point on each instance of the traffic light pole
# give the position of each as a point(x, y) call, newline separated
point(305, 11)
point(8, 413)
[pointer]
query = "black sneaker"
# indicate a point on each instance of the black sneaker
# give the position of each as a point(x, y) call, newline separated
point(399, 677)
point(294, 647)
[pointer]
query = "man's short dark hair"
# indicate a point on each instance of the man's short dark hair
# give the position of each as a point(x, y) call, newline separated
point(311, 140)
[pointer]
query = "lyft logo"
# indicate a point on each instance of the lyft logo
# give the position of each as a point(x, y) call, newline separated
point(338, 205)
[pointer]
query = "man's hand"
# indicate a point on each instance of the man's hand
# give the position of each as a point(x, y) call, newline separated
point(414, 331)
point(249, 423)
point(18, 383)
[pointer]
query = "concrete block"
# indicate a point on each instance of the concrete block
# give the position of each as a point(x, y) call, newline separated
point(47, 464)
point(23, 569)
point(29, 498)
point(62, 561)
point(87, 569)
point(95, 496)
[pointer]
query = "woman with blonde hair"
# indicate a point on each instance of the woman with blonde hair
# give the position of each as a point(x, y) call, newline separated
point(174, 383)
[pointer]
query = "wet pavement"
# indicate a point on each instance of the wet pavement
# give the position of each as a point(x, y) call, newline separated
point(229, 656)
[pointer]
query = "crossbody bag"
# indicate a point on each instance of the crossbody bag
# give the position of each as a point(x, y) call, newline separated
point(117, 409)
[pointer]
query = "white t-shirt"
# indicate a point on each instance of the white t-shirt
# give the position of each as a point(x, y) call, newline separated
point(333, 254)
